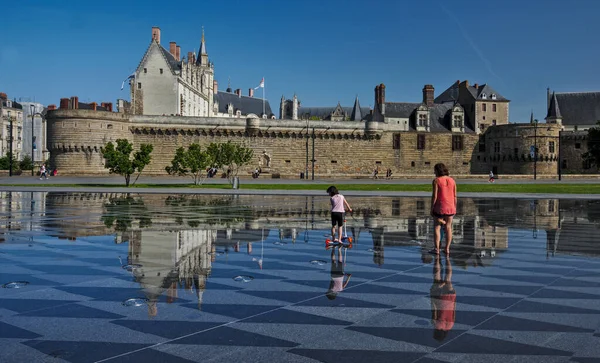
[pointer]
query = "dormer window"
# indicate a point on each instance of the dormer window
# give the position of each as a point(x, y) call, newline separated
point(422, 120)
point(484, 96)
point(457, 122)
point(230, 109)
point(238, 113)
point(493, 96)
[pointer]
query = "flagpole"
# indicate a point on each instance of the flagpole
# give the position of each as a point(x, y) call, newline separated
point(263, 95)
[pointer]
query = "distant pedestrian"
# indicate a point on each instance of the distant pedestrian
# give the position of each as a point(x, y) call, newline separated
point(443, 206)
point(492, 178)
point(43, 172)
point(375, 173)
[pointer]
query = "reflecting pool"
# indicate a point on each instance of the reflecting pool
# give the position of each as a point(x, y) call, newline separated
point(88, 277)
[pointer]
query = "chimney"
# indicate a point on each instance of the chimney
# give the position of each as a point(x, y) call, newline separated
point(103, 105)
point(173, 48)
point(178, 53)
point(215, 87)
point(3, 96)
point(476, 85)
point(428, 95)
point(382, 93)
point(64, 103)
point(53, 107)
point(457, 82)
point(250, 92)
point(238, 92)
point(156, 34)
point(94, 106)
point(376, 95)
point(74, 102)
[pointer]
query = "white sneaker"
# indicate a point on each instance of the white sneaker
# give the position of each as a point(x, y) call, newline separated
point(40, 178)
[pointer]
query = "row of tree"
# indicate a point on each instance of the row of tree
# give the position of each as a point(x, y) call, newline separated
point(193, 161)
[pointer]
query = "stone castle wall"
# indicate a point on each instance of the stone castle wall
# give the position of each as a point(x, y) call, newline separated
point(348, 149)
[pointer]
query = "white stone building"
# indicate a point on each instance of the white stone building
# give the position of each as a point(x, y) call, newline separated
point(14, 110)
point(166, 84)
point(39, 131)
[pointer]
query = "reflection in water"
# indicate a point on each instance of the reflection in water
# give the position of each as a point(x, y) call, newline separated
point(443, 299)
point(339, 278)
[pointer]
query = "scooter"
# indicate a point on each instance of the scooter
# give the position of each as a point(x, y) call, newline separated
point(346, 242)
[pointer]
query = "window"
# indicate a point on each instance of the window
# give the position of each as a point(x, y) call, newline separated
point(334, 161)
point(420, 205)
point(139, 85)
point(493, 107)
point(564, 164)
point(422, 120)
point(577, 145)
point(378, 162)
point(161, 71)
point(481, 144)
point(497, 146)
point(493, 96)
point(457, 122)
point(396, 141)
point(586, 164)
point(145, 70)
point(395, 207)
point(551, 147)
point(484, 96)
point(420, 142)
point(494, 122)
point(457, 142)
point(482, 127)
point(483, 107)
point(412, 164)
point(516, 152)
point(551, 205)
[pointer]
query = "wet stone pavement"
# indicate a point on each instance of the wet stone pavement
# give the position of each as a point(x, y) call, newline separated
point(108, 277)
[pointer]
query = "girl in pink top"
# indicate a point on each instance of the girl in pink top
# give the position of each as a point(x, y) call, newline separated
point(338, 210)
point(443, 206)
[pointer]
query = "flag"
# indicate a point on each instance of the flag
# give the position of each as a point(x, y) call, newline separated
point(262, 84)
point(132, 75)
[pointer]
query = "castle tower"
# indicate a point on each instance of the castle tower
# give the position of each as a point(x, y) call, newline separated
point(356, 113)
point(282, 108)
point(203, 59)
point(295, 108)
point(554, 116)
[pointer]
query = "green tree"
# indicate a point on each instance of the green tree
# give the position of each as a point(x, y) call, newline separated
point(230, 155)
point(118, 159)
point(26, 163)
point(592, 156)
point(192, 161)
point(5, 163)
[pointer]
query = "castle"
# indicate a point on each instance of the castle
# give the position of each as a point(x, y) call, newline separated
point(175, 102)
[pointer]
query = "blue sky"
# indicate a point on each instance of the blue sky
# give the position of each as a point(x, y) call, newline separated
point(324, 51)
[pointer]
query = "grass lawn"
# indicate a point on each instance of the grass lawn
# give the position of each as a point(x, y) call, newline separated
point(464, 188)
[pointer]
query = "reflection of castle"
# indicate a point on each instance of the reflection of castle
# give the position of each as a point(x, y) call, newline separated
point(170, 261)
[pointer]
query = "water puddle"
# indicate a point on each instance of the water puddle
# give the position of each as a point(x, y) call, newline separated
point(243, 278)
point(135, 302)
point(131, 267)
point(217, 253)
point(15, 284)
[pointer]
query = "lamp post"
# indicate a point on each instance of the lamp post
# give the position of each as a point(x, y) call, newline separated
point(559, 157)
point(535, 149)
point(31, 109)
point(313, 153)
point(10, 142)
point(306, 168)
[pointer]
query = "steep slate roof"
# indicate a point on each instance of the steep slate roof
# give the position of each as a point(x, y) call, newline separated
point(245, 104)
point(580, 108)
point(451, 93)
point(15, 104)
point(439, 114)
point(553, 110)
point(356, 114)
point(173, 63)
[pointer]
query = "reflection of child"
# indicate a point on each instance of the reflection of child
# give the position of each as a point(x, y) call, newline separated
point(337, 283)
point(443, 300)
point(338, 209)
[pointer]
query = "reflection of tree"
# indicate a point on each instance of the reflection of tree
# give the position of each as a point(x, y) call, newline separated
point(209, 211)
point(120, 213)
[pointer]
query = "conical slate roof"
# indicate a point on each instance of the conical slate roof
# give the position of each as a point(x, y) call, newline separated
point(356, 114)
point(553, 110)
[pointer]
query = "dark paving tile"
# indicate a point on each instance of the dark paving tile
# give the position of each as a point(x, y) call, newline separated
point(534, 279)
point(231, 310)
point(232, 272)
point(70, 270)
point(474, 344)
point(73, 311)
point(165, 329)
point(391, 266)
point(501, 322)
point(369, 288)
point(509, 289)
point(33, 280)
point(151, 356)
point(24, 305)
point(422, 336)
point(492, 302)
point(575, 283)
point(104, 293)
point(357, 356)
point(234, 337)
point(82, 351)
point(289, 296)
point(536, 307)
point(543, 270)
point(284, 316)
point(462, 317)
point(11, 331)
point(404, 278)
point(562, 294)
point(585, 360)
point(275, 265)
point(343, 301)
